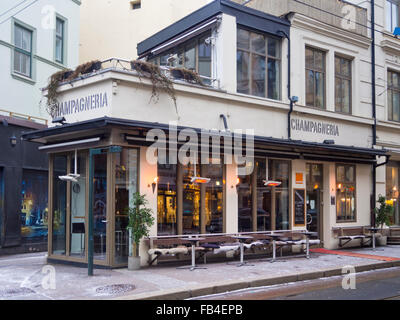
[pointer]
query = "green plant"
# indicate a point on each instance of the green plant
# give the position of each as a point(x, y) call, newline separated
point(52, 87)
point(140, 220)
point(157, 78)
point(383, 213)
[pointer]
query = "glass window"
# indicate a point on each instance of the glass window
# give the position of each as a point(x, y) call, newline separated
point(392, 14)
point(60, 25)
point(78, 208)
point(315, 78)
point(59, 205)
point(343, 80)
point(126, 185)
point(393, 96)
point(392, 189)
point(214, 197)
point(245, 203)
point(258, 65)
point(23, 51)
point(1, 195)
point(34, 209)
point(166, 200)
point(191, 200)
point(346, 193)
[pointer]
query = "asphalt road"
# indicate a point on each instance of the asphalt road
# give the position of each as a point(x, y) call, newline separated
point(372, 285)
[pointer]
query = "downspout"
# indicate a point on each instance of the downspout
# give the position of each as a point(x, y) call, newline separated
point(373, 69)
point(289, 83)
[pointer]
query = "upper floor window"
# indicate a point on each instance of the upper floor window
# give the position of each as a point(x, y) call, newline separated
point(258, 64)
point(315, 78)
point(342, 85)
point(393, 96)
point(392, 14)
point(136, 4)
point(195, 55)
point(60, 26)
point(23, 51)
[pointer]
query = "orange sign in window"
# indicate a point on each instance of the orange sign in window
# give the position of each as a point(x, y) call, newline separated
point(299, 178)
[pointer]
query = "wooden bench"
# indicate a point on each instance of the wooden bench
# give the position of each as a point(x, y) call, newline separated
point(348, 234)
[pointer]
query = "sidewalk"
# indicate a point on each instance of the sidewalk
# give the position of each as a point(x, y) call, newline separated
point(21, 276)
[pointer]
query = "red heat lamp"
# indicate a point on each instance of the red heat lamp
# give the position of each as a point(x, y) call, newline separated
point(272, 183)
point(200, 180)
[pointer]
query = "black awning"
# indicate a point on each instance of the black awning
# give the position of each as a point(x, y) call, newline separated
point(294, 149)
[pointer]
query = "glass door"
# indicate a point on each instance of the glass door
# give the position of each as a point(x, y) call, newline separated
point(314, 197)
point(100, 206)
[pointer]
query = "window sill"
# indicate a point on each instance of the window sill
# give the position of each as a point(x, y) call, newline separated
point(23, 78)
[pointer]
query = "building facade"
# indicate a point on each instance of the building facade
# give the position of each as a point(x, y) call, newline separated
point(37, 39)
point(105, 25)
point(300, 81)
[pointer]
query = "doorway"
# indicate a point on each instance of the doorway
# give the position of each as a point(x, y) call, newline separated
point(314, 182)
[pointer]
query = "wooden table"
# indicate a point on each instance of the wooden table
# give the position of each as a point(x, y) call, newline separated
point(194, 242)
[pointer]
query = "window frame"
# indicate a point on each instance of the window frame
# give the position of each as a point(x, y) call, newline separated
point(18, 25)
point(314, 69)
point(343, 78)
point(59, 37)
point(389, 25)
point(354, 182)
point(267, 57)
point(390, 90)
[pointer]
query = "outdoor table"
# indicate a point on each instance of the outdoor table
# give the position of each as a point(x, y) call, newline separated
point(274, 238)
point(242, 240)
point(194, 242)
point(374, 231)
point(308, 236)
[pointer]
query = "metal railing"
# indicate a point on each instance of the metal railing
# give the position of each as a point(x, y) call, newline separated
point(22, 116)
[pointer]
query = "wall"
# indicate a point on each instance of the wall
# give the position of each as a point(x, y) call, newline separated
point(113, 29)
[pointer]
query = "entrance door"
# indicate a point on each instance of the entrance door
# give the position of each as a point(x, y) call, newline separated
point(314, 197)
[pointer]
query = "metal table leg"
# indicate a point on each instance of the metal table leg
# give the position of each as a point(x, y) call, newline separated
point(193, 266)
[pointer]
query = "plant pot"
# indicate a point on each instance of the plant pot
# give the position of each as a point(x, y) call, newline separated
point(133, 263)
point(381, 241)
point(140, 67)
point(66, 75)
point(177, 74)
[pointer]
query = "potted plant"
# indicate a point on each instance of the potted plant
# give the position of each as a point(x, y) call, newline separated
point(140, 220)
point(383, 217)
point(187, 75)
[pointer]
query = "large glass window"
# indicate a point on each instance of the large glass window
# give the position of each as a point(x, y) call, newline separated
point(214, 198)
point(393, 96)
point(126, 185)
point(315, 78)
point(22, 51)
point(78, 208)
point(272, 203)
point(392, 15)
point(343, 85)
point(60, 35)
point(59, 216)
point(258, 64)
point(191, 200)
point(194, 55)
point(166, 200)
point(34, 209)
point(346, 193)
point(392, 189)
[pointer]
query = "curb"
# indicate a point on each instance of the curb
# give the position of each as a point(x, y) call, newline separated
point(222, 287)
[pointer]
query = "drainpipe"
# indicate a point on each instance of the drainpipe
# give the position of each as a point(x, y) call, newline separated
point(289, 83)
point(373, 62)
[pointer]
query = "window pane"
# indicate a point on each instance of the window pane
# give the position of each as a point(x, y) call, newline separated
point(34, 210)
point(274, 48)
point(59, 49)
point(349, 174)
point(60, 27)
point(346, 96)
point(18, 37)
point(320, 90)
point(258, 43)
point(243, 39)
point(390, 105)
point(346, 67)
point(395, 80)
point(309, 58)
point(190, 57)
point(273, 79)
point(204, 58)
point(258, 75)
point(319, 60)
point(214, 198)
point(78, 209)
point(191, 201)
point(395, 15)
point(340, 174)
point(26, 40)
point(245, 223)
point(338, 94)
point(126, 182)
point(243, 85)
point(166, 200)
point(388, 15)
point(59, 205)
point(396, 106)
point(310, 88)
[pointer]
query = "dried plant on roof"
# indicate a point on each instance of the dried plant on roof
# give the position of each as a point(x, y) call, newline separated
point(52, 90)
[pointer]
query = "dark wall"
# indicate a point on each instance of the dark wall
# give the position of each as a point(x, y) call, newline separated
point(25, 155)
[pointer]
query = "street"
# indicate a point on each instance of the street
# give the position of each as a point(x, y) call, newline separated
point(372, 285)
